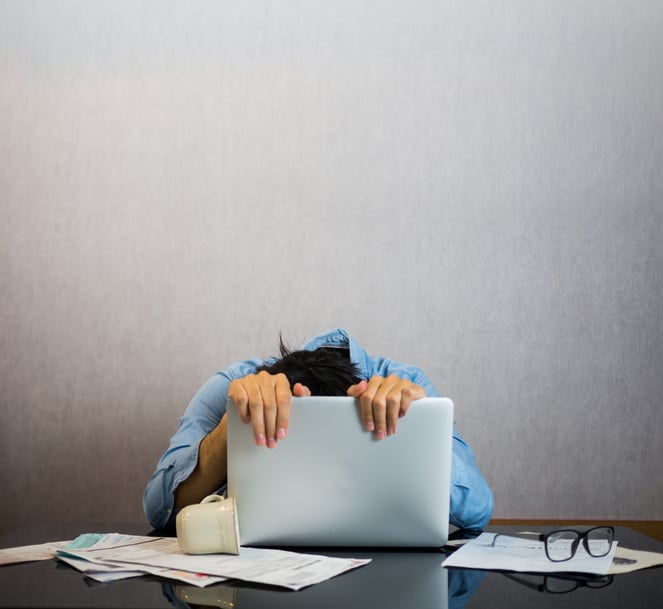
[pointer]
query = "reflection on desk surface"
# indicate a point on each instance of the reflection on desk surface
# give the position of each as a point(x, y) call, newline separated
point(390, 580)
point(400, 584)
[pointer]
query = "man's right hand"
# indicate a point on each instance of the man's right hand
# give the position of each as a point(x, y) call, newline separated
point(263, 400)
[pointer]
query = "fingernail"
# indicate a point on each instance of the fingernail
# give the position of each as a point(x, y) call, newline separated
point(370, 426)
point(379, 435)
point(280, 433)
point(271, 443)
point(390, 431)
point(260, 439)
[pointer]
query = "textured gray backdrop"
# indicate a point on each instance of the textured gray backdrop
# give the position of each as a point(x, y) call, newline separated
point(473, 187)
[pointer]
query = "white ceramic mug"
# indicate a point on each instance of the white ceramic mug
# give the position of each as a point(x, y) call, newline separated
point(209, 527)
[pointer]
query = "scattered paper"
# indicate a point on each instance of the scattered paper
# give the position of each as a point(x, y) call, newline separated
point(100, 573)
point(106, 573)
point(627, 560)
point(515, 554)
point(43, 551)
point(160, 555)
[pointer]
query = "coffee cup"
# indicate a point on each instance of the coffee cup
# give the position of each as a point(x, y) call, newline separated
point(209, 527)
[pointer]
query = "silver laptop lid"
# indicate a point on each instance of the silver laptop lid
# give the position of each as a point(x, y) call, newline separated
point(330, 483)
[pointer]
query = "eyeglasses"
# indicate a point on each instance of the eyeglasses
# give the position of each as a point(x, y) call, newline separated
point(563, 544)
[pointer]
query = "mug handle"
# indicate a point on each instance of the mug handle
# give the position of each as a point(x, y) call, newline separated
point(211, 498)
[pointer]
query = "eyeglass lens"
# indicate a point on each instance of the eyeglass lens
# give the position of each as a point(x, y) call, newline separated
point(562, 545)
point(599, 541)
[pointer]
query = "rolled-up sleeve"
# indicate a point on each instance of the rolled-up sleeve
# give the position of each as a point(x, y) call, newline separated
point(159, 496)
point(201, 416)
point(472, 501)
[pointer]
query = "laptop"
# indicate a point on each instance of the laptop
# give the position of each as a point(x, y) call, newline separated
point(330, 483)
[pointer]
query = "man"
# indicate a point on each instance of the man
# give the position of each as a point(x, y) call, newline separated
point(195, 464)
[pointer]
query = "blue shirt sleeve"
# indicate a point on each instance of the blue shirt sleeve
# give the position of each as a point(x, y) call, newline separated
point(202, 415)
point(472, 500)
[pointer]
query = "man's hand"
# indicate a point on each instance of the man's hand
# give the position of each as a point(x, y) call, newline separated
point(383, 401)
point(264, 400)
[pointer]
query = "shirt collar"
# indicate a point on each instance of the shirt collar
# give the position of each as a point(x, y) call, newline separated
point(339, 337)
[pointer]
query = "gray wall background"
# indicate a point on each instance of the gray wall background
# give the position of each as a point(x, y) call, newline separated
point(473, 187)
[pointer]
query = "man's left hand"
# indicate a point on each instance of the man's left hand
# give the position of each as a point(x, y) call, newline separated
point(383, 400)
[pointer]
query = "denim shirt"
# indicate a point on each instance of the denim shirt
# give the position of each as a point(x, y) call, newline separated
point(471, 498)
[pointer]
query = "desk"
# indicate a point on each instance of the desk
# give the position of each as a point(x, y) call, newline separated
point(394, 579)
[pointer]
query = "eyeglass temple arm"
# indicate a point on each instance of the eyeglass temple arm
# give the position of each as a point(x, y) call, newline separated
point(537, 536)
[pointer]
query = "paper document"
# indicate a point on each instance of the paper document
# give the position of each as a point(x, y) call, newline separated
point(101, 573)
point(516, 554)
point(160, 555)
point(108, 572)
point(627, 560)
point(42, 551)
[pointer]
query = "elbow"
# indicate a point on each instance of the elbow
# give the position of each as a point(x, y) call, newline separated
point(161, 517)
point(153, 512)
point(472, 508)
point(158, 502)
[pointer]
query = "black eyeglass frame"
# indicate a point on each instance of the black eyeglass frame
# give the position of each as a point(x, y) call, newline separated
point(579, 536)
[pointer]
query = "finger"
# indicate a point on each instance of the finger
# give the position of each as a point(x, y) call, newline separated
point(256, 414)
point(268, 392)
point(393, 400)
point(409, 394)
point(366, 399)
point(354, 391)
point(300, 390)
point(254, 406)
point(240, 397)
point(283, 397)
point(399, 399)
point(395, 388)
point(386, 404)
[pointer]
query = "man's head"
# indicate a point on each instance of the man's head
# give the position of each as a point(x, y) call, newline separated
point(325, 371)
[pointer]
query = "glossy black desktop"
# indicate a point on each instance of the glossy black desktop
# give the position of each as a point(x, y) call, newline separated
point(394, 579)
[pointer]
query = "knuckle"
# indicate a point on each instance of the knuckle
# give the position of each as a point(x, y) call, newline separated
point(366, 400)
point(380, 403)
point(411, 394)
point(409, 391)
point(393, 400)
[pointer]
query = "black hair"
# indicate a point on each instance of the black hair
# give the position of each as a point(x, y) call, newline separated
point(325, 370)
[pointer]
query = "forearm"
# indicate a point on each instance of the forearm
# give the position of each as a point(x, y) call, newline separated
point(211, 470)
